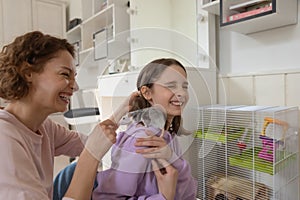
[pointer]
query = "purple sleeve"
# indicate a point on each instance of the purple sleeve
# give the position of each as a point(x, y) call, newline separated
point(143, 197)
point(123, 155)
point(186, 185)
point(130, 174)
point(152, 197)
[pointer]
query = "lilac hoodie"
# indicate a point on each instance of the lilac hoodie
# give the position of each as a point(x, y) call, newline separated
point(131, 176)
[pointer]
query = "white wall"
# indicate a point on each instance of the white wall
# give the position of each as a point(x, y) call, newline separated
point(261, 68)
point(162, 28)
point(272, 89)
point(272, 50)
point(184, 20)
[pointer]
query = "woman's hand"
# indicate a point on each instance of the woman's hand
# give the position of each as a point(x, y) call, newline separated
point(98, 143)
point(166, 182)
point(155, 147)
point(124, 108)
point(101, 139)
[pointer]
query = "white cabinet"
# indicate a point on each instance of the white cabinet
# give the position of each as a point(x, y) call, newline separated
point(161, 28)
point(249, 16)
point(16, 19)
point(102, 38)
point(150, 22)
point(49, 17)
point(20, 16)
point(206, 34)
point(212, 6)
point(103, 33)
point(158, 28)
point(121, 84)
point(113, 89)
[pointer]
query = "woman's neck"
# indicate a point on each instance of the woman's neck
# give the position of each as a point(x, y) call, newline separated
point(30, 117)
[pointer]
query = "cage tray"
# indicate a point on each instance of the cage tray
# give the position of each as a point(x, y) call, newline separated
point(198, 134)
point(233, 133)
point(245, 160)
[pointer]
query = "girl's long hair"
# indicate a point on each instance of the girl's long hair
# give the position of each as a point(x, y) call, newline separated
point(149, 75)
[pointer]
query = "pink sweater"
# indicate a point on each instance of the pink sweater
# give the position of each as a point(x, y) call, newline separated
point(27, 159)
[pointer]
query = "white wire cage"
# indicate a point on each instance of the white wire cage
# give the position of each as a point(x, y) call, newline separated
point(247, 153)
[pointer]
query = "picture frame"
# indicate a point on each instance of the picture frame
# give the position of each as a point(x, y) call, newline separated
point(77, 49)
point(100, 44)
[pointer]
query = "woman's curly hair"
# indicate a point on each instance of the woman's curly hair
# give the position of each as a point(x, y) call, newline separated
point(27, 53)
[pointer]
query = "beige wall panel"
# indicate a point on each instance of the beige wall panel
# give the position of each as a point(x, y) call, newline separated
point(241, 90)
point(292, 89)
point(223, 90)
point(269, 90)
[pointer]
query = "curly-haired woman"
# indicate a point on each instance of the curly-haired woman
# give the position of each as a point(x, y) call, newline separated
point(37, 78)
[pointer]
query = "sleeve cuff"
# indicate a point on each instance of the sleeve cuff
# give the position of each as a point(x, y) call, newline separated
point(157, 197)
point(67, 198)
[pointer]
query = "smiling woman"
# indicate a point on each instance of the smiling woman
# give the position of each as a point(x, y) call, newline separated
point(37, 78)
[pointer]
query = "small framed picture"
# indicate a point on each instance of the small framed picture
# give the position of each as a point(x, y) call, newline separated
point(77, 49)
point(100, 44)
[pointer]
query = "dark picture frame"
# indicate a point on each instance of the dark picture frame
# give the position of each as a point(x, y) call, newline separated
point(100, 44)
point(77, 49)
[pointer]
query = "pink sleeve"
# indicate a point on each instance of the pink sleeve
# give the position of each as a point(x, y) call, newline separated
point(66, 142)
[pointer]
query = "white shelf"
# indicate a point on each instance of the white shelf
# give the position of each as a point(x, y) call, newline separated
point(74, 34)
point(102, 18)
point(86, 59)
point(120, 84)
point(95, 23)
point(246, 3)
point(283, 13)
point(212, 7)
point(86, 51)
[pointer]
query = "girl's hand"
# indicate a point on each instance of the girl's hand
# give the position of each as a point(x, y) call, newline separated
point(166, 182)
point(154, 147)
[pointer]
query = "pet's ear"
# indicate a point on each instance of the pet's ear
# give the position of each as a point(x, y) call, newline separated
point(146, 92)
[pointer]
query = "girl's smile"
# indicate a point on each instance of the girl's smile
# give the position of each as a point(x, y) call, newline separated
point(171, 90)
